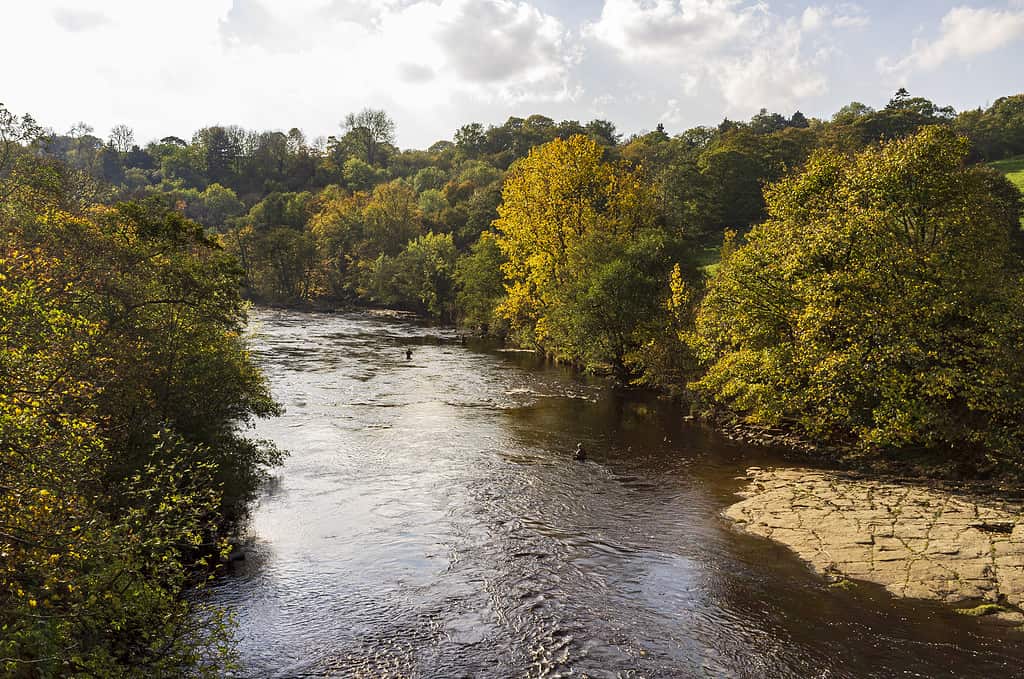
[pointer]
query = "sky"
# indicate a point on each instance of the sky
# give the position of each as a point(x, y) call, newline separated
point(168, 67)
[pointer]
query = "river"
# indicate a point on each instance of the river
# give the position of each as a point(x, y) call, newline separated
point(431, 522)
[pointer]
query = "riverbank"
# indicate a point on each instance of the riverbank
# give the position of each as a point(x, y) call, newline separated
point(918, 541)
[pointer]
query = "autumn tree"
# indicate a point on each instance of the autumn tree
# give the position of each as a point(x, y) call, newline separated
point(124, 378)
point(565, 224)
point(391, 219)
point(878, 306)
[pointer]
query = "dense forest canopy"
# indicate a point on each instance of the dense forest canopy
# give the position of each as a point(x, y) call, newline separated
point(857, 280)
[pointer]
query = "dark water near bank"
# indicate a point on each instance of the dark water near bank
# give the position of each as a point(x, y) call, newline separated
point(430, 523)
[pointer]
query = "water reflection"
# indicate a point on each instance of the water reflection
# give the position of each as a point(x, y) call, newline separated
point(432, 523)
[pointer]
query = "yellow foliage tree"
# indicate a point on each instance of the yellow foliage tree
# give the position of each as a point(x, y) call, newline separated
point(567, 223)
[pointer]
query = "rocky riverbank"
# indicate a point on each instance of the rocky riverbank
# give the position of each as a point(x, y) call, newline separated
point(916, 541)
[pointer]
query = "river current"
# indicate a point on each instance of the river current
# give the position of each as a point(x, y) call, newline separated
point(430, 522)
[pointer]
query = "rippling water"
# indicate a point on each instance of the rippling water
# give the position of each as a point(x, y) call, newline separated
point(430, 522)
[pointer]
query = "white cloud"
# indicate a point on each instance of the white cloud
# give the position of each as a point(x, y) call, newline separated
point(673, 115)
point(642, 30)
point(813, 18)
point(415, 73)
point(171, 68)
point(851, 21)
point(76, 20)
point(750, 56)
point(511, 45)
point(964, 32)
point(496, 48)
point(775, 74)
point(841, 15)
point(250, 23)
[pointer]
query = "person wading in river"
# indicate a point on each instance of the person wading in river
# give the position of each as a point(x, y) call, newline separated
point(580, 454)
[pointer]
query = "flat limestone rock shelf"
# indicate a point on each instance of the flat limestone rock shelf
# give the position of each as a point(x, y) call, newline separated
point(916, 542)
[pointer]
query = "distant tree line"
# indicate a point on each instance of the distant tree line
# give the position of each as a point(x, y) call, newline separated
point(327, 219)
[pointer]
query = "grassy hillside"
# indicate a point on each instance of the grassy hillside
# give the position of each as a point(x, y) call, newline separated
point(1013, 168)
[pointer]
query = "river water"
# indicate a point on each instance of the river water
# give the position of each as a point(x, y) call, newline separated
point(431, 522)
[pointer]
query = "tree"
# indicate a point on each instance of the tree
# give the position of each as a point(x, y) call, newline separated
point(565, 218)
point(420, 278)
point(480, 284)
point(339, 232)
point(391, 219)
point(471, 139)
point(360, 175)
point(603, 132)
point(550, 200)
point(432, 204)
point(766, 123)
point(996, 132)
point(481, 211)
point(122, 138)
point(118, 478)
point(291, 210)
point(734, 176)
point(218, 204)
point(370, 129)
point(219, 152)
point(111, 165)
point(877, 306)
point(291, 260)
point(80, 129)
point(429, 178)
point(15, 132)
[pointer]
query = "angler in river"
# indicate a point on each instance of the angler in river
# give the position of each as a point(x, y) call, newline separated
point(580, 453)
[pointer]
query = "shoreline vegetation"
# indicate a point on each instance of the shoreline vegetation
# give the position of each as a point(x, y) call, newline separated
point(850, 286)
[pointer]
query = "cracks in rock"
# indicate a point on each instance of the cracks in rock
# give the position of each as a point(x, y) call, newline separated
point(922, 542)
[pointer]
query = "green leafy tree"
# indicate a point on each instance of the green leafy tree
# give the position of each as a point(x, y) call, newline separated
point(360, 175)
point(370, 131)
point(123, 381)
point(481, 285)
point(878, 306)
point(420, 277)
point(216, 205)
point(429, 178)
point(15, 133)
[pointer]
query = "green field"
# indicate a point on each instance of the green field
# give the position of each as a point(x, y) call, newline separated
point(707, 260)
point(1013, 168)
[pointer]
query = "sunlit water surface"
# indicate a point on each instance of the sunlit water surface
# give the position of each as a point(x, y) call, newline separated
point(430, 522)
